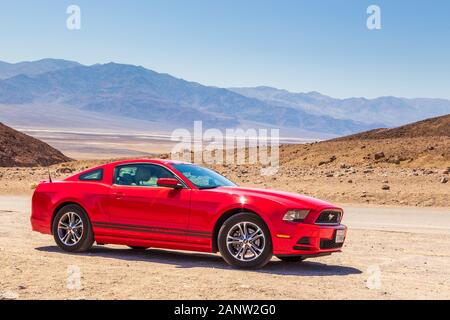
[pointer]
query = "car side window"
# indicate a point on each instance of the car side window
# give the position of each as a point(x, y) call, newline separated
point(144, 175)
point(95, 175)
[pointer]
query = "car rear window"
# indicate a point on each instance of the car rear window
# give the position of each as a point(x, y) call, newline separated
point(95, 175)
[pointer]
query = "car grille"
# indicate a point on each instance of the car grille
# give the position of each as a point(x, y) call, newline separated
point(329, 217)
point(329, 244)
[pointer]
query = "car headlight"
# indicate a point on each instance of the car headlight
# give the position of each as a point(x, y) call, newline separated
point(295, 215)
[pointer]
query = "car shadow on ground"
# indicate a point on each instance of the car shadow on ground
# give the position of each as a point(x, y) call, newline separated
point(205, 260)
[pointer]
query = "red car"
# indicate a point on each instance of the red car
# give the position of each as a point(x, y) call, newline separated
point(177, 205)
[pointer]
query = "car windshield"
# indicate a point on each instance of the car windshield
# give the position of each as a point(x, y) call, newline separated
point(203, 178)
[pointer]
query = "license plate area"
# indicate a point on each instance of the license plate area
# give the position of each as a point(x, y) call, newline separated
point(340, 236)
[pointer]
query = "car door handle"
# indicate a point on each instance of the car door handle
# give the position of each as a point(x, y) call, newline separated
point(118, 195)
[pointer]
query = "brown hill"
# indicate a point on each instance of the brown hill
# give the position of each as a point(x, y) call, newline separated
point(433, 127)
point(20, 150)
point(424, 144)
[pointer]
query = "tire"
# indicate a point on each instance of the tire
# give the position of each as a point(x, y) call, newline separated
point(291, 259)
point(81, 239)
point(245, 253)
point(138, 248)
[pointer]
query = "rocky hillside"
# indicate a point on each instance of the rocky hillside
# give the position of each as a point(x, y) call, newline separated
point(423, 144)
point(434, 127)
point(19, 150)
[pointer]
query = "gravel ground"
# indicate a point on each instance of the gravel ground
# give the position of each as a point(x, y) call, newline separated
point(383, 258)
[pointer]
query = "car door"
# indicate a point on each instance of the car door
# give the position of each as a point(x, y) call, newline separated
point(138, 208)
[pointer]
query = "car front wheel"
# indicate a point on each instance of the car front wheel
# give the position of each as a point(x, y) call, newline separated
point(72, 229)
point(244, 241)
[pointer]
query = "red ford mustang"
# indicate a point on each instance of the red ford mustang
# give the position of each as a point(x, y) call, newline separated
point(177, 205)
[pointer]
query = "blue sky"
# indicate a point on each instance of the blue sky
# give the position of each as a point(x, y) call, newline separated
point(297, 45)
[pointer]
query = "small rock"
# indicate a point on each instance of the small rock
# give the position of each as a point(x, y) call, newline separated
point(332, 158)
point(350, 181)
point(443, 180)
point(378, 155)
point(385, 187)
point(394, 160)
point(64, 170)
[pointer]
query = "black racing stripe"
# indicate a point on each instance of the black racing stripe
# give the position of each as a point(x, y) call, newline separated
point(152, 228)
point(180, 232)
point(153, 231)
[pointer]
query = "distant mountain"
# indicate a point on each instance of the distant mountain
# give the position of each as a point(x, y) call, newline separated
point(8, 70)
point(52, 89)
point(135, 92)
point(19, 150)
point(391, 111)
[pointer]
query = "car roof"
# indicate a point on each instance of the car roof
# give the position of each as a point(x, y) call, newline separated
point(128, 161)
point(157, 161)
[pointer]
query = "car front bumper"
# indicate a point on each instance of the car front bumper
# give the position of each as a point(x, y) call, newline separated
point(308, 239)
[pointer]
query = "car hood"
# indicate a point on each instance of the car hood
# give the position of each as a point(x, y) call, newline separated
point(282, 197)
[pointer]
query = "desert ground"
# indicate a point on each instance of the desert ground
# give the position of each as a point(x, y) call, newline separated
point(390, 253)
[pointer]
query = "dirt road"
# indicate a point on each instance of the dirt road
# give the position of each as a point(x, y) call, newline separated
point(390, 253)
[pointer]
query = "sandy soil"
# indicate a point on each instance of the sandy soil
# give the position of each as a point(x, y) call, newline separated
point(405, 187)
point(387, 255)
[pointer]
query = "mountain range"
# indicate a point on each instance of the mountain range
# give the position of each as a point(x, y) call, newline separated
point(45, 91)
point(390, 111)
point(30, 68)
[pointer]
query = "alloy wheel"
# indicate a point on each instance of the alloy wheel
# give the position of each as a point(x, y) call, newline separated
point(70, 228)
point(245, 241)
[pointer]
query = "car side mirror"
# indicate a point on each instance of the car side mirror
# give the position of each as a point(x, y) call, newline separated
point(169, 183)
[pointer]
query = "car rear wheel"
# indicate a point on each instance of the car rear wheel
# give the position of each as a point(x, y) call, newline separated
point(72, 229)
point(291, 258)
point(244, 241)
